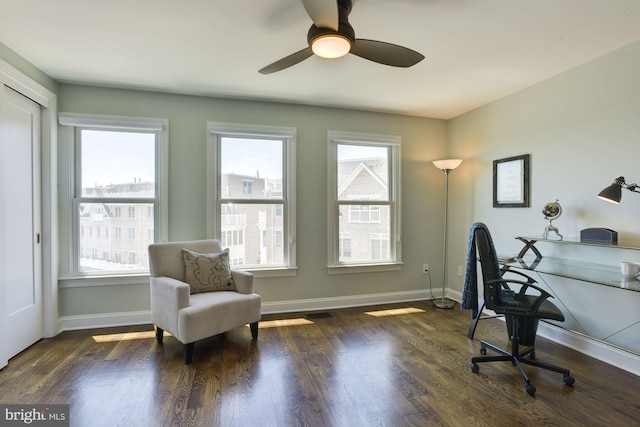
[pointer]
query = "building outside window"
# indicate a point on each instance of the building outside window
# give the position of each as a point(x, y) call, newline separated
point(251, 183)
point(364, 201)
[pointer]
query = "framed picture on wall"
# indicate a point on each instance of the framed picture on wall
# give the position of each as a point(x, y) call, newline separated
point(511, 182)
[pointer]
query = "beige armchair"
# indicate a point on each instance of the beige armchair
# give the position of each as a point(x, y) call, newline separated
point(189, 316)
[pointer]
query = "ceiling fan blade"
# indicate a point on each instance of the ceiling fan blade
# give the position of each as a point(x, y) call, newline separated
point(323, 13)
point(287, 61)
point(385, 53)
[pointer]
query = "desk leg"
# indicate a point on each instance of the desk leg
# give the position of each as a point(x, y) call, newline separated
point(528, 244)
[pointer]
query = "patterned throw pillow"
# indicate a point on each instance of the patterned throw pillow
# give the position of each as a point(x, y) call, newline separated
point(208, 272)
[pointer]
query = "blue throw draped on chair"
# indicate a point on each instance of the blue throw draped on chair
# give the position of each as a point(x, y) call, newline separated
point(470, 289)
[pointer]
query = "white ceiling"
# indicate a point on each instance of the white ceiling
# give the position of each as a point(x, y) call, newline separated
point(476, 50)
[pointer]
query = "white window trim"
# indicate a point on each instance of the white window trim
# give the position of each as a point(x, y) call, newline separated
point(216, 129)
point(68, 124)
point(395, 247)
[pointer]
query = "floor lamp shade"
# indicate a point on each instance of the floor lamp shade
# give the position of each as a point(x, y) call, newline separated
point(446, 166)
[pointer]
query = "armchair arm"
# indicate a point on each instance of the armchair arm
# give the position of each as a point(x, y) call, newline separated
point(168, 296)
point(243, 281)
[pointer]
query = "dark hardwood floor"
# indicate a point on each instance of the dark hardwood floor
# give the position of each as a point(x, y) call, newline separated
point(402, 368)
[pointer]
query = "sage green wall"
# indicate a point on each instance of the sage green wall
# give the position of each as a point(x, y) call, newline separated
point(423, 140)
point(582, 130)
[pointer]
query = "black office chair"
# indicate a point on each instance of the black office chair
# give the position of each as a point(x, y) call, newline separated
point(520, 310)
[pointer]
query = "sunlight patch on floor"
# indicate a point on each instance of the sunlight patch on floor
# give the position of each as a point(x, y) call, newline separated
point(126, 336)
point(394, 312)
point(284, 322)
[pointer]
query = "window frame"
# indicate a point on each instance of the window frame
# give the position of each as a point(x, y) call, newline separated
point(70, 126)
point(218, 130)
point(393, 144)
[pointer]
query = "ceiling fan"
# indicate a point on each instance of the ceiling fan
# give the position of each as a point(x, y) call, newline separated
point(331, 36)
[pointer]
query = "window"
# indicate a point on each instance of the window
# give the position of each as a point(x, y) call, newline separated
point(364, 202)
point(379, 246)
point(251, 191)
point(119, 172)
point(364, 214)
point(345, 246)
point(247, 187)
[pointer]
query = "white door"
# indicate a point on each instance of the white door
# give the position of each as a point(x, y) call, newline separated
point(20, 248)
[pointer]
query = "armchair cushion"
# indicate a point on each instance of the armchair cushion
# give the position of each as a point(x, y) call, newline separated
point(208, 272)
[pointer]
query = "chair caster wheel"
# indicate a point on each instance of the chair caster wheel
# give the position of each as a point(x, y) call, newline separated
point(569, 380)
point(474, 367)
point(530, 389)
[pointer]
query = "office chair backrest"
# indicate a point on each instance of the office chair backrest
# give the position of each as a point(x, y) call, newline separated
point(490, 267)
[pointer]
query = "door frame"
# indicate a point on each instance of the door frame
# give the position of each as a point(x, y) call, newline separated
point(48, 101)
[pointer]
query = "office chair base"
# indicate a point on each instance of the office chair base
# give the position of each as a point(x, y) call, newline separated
point(517, 358)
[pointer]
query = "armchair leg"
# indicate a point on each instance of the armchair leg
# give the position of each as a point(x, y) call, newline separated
point(254, 330)
point(188, 352)
point(159, 334)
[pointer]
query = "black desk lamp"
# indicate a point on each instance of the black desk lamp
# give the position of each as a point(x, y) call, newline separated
point(613, 193)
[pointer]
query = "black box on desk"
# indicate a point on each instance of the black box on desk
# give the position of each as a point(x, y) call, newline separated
point(599, 235)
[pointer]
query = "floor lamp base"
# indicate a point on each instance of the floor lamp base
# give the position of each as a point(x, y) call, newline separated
point(443, 303)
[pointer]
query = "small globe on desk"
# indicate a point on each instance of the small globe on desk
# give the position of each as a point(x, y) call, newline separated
point(551, 211)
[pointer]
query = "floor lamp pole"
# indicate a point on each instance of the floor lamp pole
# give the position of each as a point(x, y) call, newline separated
point(446, 166)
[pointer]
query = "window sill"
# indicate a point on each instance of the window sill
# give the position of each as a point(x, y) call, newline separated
point(273, 272)
point(115, 280)
point(143, 279)
point(363, 268)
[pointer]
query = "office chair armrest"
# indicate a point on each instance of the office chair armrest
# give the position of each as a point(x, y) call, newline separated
point(523, 287)
point(541, 298)
point(529, 278)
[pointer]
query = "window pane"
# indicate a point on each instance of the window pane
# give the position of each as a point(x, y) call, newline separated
point(364, 233)
point(251, 168)
point(363, 172)
point(110, 243)
point(117, 164)
point(253, 233)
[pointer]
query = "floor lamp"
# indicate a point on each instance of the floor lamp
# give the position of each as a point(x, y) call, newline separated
point(446, 166)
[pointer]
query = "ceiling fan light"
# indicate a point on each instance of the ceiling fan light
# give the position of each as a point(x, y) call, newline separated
point(331, 46)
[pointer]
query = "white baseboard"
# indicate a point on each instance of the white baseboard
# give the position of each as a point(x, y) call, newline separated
point(607, 353)
point(105, 320)
point(342, 302)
